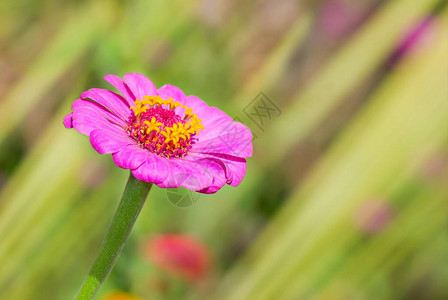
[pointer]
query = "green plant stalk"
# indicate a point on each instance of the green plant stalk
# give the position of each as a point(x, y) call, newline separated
point(132, 201)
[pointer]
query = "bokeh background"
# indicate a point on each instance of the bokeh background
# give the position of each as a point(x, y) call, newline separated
point(344, 198)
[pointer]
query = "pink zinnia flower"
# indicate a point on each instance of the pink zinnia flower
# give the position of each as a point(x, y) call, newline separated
point(180, 255)
point(163, 136)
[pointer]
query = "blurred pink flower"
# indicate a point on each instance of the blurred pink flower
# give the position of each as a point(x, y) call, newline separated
point(337, 18)
point(434, 167)
point(163, 136)
point(118, 295)
point(373, 216)
point(180, 255)
point(416, 38)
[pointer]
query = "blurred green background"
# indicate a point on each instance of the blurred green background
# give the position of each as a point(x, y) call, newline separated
point(346, 196)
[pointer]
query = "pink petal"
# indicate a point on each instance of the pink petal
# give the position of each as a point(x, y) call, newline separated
point(109, 141)
point(98, 109)
point(121, 87)
point(232, 138)
point(189, 174)
point(178, 175)
point(68, 123)
point(130, 157)
point(111, 101)
point(85, 121)
point(216, 167)
point(234, 167)
point(210, 170)
point(154, 169)
point(89, 115)
point(140, 85)
point(237, 169)
point(208, 114)
point(213, 119)
point(172, 91)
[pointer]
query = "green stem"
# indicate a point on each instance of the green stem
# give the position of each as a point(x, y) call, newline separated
point(132, 201)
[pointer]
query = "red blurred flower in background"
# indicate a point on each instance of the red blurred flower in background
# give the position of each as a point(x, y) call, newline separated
point(180, 255)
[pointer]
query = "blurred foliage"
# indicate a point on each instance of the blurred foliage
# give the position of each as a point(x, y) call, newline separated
point(344, 198)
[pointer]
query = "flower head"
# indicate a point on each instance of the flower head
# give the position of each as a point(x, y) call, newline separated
point(180, 255)
point(163, 136)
